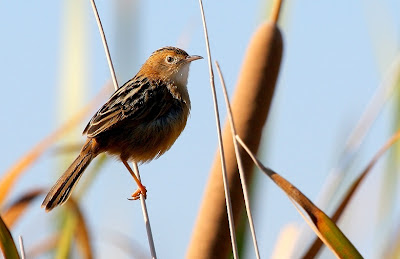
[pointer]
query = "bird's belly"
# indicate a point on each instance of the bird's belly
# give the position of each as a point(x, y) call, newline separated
point(144, 141)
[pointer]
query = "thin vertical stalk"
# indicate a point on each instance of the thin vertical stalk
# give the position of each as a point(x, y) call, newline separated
point(239, 162)
point(146, 216)
point(21, 247)
point(276, 10)
point(221, 148)
point(250, 107)
point(136, 169)
point(105, 45)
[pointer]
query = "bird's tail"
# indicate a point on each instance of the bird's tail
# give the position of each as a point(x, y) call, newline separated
point(61, 191)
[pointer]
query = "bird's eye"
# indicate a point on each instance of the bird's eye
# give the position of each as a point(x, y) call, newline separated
point(169, 59)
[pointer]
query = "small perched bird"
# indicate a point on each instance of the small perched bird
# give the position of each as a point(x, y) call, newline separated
point(140, 121)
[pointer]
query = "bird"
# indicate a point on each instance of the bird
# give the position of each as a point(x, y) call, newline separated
point(140, 121)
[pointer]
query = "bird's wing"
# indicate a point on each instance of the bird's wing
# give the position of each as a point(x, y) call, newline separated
point(137, 100)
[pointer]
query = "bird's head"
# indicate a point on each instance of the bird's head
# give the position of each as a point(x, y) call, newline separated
point(169, 63)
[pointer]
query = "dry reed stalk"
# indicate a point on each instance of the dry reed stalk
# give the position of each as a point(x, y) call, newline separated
point(250, 108)
point(135, 166)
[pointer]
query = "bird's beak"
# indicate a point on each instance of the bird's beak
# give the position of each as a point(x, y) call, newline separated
point(193, 58)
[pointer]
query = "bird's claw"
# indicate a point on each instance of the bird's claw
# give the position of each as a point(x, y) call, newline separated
point(140, 191)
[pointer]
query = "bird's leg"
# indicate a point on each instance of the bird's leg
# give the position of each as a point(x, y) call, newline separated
point(141, 190)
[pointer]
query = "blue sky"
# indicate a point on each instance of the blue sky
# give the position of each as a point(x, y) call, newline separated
point(335, 54)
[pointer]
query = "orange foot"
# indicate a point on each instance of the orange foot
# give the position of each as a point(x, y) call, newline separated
point(140, 191)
